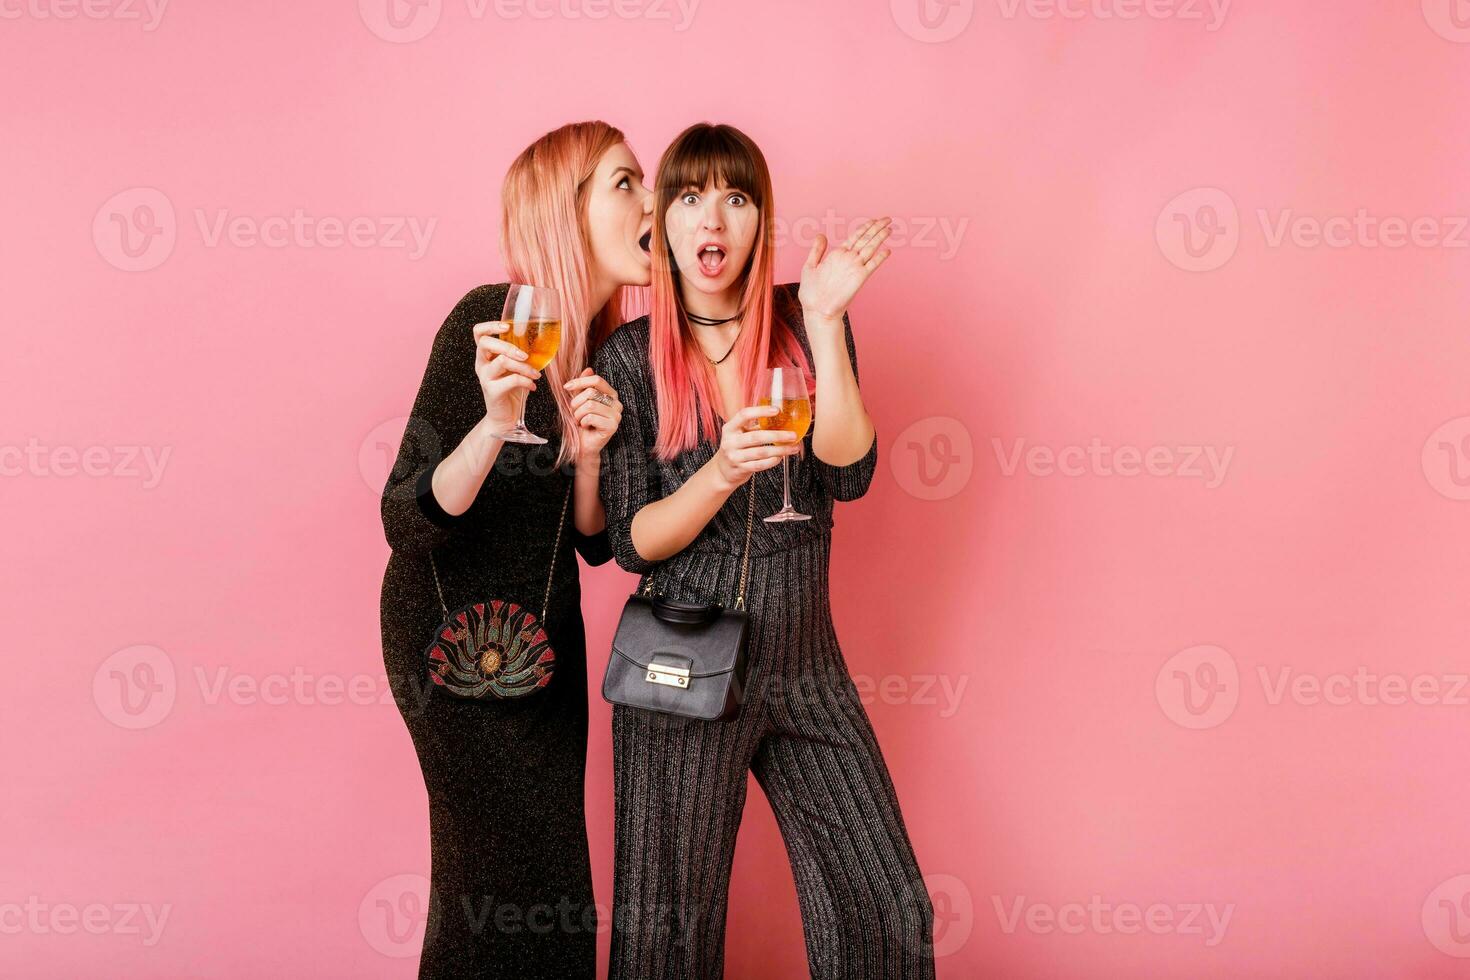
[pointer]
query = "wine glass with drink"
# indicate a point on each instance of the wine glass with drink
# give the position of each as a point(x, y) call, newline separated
point(532, 317)
point(785, 387)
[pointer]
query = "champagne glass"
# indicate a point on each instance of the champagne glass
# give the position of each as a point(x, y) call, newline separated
point(533, 318)
point(785, 388)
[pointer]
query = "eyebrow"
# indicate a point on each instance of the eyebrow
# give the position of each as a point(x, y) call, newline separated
point(700, 190)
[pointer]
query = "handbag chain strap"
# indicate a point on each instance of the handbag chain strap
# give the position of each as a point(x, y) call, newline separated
point(745, 557)
point(555, 548)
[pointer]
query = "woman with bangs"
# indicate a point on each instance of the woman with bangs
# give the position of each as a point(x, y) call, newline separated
point(689, 374)
point(471, 516)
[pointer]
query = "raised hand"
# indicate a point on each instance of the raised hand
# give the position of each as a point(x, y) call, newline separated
point(830, 279)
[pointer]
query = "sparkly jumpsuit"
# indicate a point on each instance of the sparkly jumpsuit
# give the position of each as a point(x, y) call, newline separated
point(680, 784)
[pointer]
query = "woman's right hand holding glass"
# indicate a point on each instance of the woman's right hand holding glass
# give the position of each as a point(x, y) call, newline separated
point(745, 449)
point(502, 371)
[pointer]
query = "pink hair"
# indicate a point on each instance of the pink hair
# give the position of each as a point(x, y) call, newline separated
point(543, 237)
point(683, 380)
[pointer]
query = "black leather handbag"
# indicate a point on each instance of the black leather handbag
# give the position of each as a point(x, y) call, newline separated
point(682, 658)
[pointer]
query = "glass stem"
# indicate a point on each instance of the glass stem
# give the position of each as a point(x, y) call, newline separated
point(525, 397)
point(785, 484)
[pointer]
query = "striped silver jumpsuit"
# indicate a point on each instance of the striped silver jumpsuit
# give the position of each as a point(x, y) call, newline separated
point(680, 784)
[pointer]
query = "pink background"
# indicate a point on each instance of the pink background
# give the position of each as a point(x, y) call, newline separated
point(285, 834)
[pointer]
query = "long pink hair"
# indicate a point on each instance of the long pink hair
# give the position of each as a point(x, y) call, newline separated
point(543, 237)
point(683, 379)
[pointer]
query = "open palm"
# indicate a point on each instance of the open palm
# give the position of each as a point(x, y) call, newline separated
point(830, 279)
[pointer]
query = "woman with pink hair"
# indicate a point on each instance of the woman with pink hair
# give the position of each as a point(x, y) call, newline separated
point(491, 528)
point(685, 478)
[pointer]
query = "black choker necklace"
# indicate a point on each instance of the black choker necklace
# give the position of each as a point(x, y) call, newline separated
point(709, 321)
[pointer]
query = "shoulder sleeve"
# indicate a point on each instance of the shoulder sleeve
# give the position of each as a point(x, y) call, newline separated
point(629, 476)
point(851, 481)
point(442, 415)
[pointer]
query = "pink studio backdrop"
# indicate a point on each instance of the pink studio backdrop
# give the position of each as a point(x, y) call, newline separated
point(1158, 599)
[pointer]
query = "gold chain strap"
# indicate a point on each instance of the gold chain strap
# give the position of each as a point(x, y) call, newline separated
point(745, 558)
point(745, 561)
point(555, 549)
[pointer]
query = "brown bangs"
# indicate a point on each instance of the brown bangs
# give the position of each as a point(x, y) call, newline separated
point(705, 154)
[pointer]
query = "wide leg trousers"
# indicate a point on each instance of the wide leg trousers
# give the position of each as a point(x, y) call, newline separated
point(680, 788)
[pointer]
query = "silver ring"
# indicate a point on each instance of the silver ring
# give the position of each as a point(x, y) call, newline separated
point(601, 399)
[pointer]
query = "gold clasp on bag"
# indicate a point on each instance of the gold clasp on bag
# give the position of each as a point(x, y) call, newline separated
point(664, 674)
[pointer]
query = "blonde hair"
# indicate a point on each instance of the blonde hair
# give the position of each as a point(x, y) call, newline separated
point(544, 240)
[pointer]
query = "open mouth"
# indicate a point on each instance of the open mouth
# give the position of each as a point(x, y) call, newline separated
point(712, 260)
point(646, 242)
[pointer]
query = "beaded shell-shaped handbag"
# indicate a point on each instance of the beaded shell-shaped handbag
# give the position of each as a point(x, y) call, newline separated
point(494, 648)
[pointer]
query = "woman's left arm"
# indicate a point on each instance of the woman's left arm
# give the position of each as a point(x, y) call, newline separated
point(841, 428)
point(596, 423)
point(843, 438)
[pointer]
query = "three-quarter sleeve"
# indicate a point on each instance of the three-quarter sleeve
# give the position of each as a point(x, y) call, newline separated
point(595, 549)
point(629, 478)
point(413, 521)
point(851, 481)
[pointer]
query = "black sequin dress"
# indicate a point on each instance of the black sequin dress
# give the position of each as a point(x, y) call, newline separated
point(511, 879)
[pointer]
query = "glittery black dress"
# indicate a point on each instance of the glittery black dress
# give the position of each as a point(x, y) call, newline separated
point(511, 879)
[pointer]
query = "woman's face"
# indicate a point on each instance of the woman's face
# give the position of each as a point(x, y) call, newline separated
point(712, 231)
point(620, 219)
